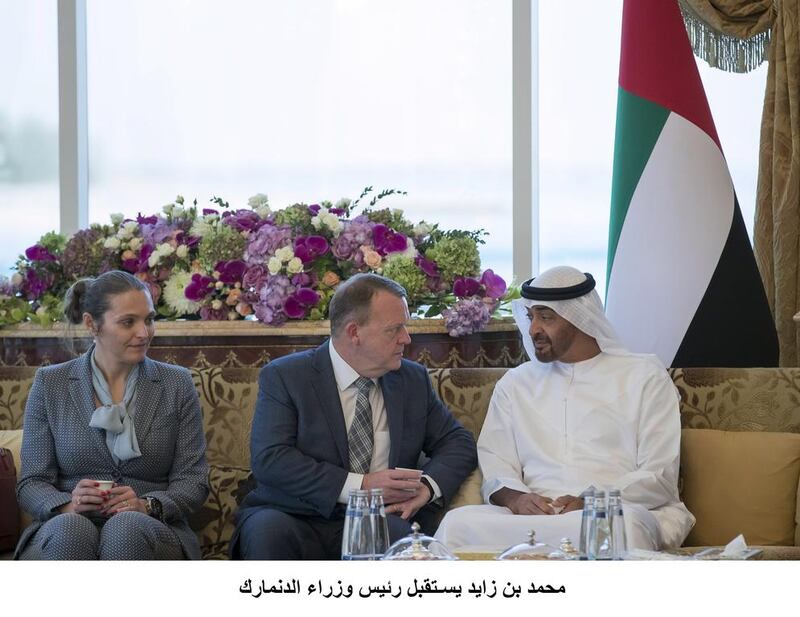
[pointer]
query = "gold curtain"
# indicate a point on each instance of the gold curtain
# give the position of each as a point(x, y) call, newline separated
point(732, 35)
point(777, 225)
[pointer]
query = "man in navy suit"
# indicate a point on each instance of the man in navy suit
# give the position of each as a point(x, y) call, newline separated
point(350, 414)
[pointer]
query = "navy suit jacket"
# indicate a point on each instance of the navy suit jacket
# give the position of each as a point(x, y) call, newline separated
point(298, 442)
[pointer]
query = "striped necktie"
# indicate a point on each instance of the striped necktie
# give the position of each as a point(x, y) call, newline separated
point(360, 438)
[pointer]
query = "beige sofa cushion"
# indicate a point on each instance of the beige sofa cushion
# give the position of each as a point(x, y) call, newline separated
point(741, 482)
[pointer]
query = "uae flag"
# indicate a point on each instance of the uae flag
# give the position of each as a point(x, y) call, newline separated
point(682, 279)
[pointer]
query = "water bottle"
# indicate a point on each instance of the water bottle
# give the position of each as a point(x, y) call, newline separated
point(357, 532)
point(378, 522)
point(619, 544)
point(599, 531)
point(586, 522)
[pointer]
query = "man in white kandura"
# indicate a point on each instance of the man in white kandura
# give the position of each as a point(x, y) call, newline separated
point(583, 412)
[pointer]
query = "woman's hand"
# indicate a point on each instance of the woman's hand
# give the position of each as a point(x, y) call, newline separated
point(123, 499)
point(86, 497)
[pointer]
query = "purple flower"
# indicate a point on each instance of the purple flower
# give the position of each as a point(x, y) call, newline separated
point(308, 248)
point(314, 209)
point(209, 314)
point(231, 272)
point(302, 280)
point(254, 278)
point(464, 287)
point(35, 284)
point(191, 241)
point(354, 234)
point(146, 220)
point(428, 266)
point(495, 285)
point(207, 211)
point(387, 240)
point(158, 231)
point(263, 243)
point(298, 303)
point(466, 316)
point(199, 288)
point(144, 254)
point(243, 220)
point(272, 297)
point(39, 253)
point(293, 308)
point(306, 296)
point(337, 211)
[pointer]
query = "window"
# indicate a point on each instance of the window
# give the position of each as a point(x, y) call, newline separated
point(304, 101)
point(28, 126)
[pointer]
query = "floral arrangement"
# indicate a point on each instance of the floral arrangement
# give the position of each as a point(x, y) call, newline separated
point(221, 263)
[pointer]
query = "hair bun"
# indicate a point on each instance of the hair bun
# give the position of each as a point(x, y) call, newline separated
point(73, 300)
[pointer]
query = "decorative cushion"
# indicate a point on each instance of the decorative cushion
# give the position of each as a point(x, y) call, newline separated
point(741, 482)
point(15, 383)
point(13, 441)
point(469, 494)
point(214, 522)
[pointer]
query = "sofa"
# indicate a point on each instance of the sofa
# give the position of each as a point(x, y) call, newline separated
point(740, 451)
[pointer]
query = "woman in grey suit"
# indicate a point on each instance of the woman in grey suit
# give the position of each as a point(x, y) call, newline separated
point(112, 414)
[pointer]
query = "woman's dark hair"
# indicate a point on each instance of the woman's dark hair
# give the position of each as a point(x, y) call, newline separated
point(353, 297)
point(93, 295)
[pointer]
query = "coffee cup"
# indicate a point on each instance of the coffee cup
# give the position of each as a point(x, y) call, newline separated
point(410, 472)
point(103, 485)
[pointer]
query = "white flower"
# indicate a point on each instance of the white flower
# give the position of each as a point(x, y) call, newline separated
point(263, 211)
point(201, 227)
point(219, 285)
point(174, 293)
point(411, 250)
point(294, 266)
point(153, 260)
point(168, 209)
point(178, 212)
point(165, 249)
point(342, 204)
point(216, 304)
point(233, 315)
point(423, 229)
point(326, 219)
point(16, 279)
point(117, 218)
point(257, 201)
point(135, 244)
point(182, 251)
point(127, 230)
point(112, 243)
point(274, 265)
point(284, 254)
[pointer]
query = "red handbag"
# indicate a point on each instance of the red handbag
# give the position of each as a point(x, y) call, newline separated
point(9, 511)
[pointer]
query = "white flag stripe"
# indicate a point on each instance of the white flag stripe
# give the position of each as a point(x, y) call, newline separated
point(671, 240)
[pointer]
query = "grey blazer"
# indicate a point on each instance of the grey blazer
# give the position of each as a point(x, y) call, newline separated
point(59, 448)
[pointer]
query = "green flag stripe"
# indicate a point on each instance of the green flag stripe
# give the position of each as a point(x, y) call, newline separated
point(639, 123)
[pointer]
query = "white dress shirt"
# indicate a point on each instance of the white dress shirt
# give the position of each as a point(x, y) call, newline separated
point(346, 377)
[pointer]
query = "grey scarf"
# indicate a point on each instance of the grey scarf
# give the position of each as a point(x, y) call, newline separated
point(116, 418)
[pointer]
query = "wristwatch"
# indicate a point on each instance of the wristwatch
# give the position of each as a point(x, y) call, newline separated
point(153, 507)
point(425, 481)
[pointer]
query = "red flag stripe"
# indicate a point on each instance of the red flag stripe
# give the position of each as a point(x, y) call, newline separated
point(657, 63)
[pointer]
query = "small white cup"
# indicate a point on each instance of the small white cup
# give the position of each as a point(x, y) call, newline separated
point(416, 472)
point(104, 485)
